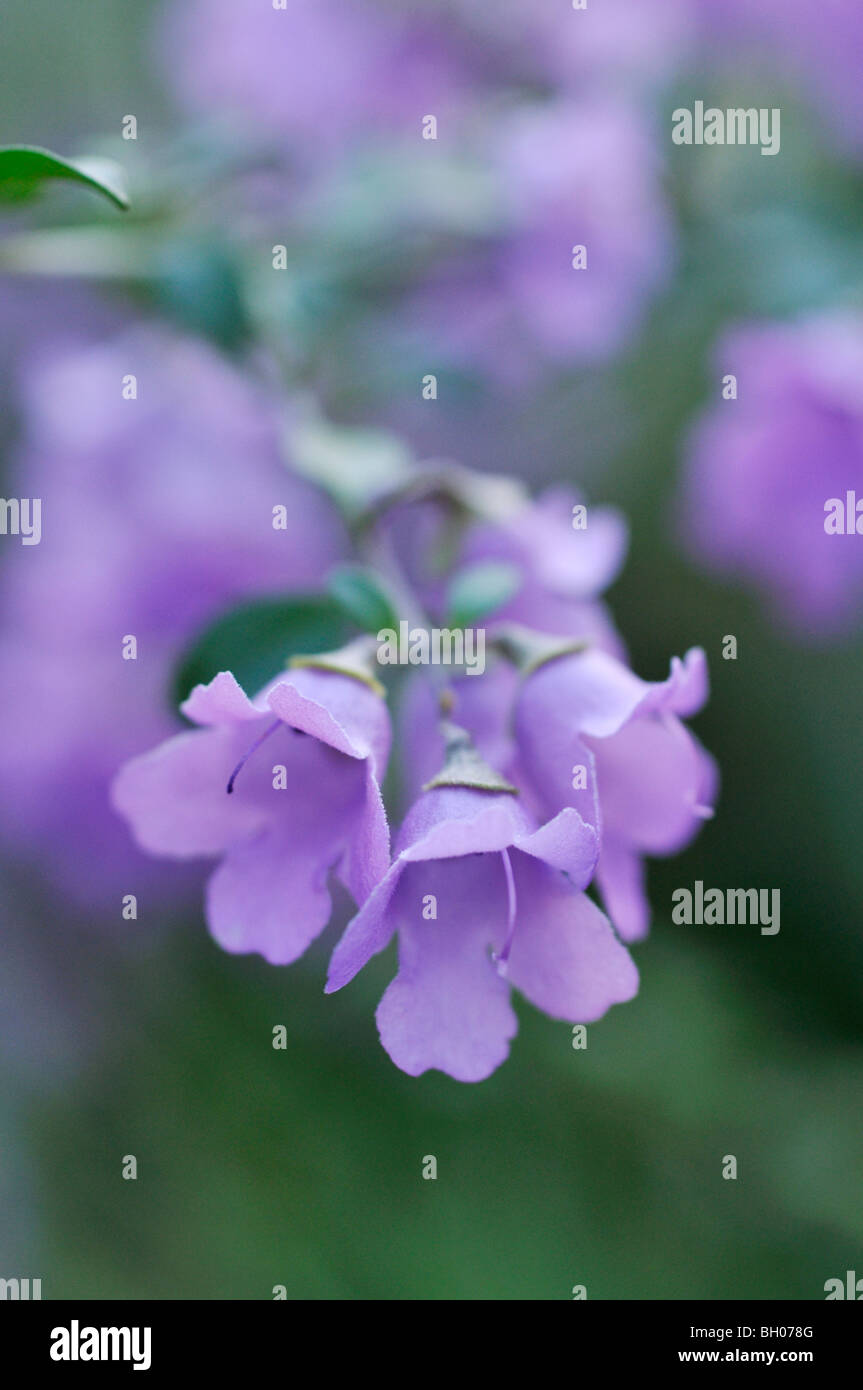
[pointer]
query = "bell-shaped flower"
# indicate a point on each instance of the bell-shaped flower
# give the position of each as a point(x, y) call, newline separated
point(483, 900)
point(282, 789)
point(593, 736)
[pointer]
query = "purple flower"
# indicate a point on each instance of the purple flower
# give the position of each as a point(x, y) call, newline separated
point(592, 736)
point(570, 174)
point(324, 73)
point(762, 468)
point(582, 174)
point(615, 40)
point(821, 53)
point(481, 899)
point(284, 788)
point(611, 41)
point(157, 514)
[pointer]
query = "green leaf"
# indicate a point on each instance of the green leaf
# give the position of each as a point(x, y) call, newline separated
point(363, 598)
point(256, 641)
point(355, 466)
point(480, 589)
point(24, 167)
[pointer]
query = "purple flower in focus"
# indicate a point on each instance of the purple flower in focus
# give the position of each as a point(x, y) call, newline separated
point(482, 900)
point(284, 788)
point(582, 731)
point(593, 736)
point(762, 468)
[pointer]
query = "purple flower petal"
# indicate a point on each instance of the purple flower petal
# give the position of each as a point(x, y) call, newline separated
point(448, 1007)
point(174, 797)
point(565, 958)
point(222, 701)
point(338, 710)
point(620, 875)
point(566, 842)
point(270, 895)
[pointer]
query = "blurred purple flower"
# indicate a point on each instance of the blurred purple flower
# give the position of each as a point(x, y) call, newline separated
point(157, 514)
point(578, 174)
point(761, 469)
point(326, 74)
point(570, 174)
point(625, 40)
point(472, 876)
point(614, 41)
point(282, 818)
point(816, 48)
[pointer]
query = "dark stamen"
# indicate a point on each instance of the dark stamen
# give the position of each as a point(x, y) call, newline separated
point(245, 758)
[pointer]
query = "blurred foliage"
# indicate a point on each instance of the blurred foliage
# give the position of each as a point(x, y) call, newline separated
point(303, 1167)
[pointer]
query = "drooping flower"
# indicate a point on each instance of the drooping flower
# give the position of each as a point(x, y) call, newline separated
point(482, 899)
point(592, 735)
point(761, 469)
point(283, 789)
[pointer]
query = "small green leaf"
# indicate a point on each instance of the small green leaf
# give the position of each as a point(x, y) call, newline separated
point(363, 598)
point(256, 641)
point(480, 589)
point(24, 167)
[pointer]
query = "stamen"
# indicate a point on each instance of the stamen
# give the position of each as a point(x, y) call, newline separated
point(501, 959)
point(245, 758)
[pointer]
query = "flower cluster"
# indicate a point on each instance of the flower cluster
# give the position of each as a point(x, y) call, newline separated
point(553, 768)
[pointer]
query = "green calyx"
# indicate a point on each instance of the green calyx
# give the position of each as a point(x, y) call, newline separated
point(463, 766)
point(529, 650)
point(357, 660)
